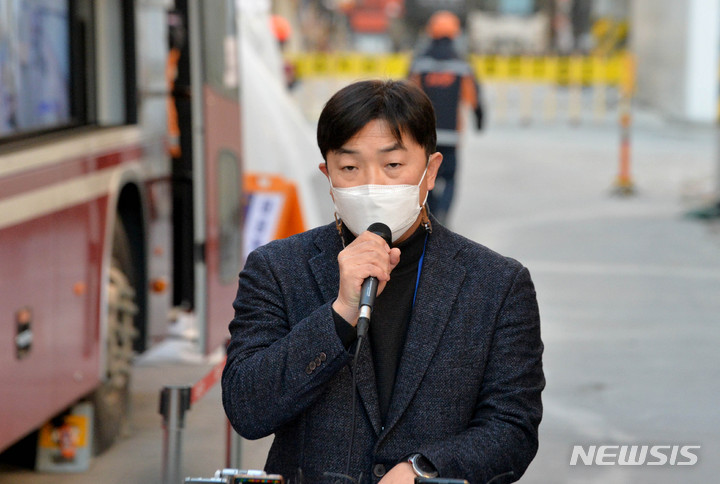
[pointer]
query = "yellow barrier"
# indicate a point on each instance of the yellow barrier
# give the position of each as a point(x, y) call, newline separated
point(558, 70)
point(351, 65)
point(522, 87)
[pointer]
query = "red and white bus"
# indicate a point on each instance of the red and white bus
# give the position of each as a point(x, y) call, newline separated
point(102, 232)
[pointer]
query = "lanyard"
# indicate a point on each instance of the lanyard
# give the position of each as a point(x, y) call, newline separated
point(420, 264)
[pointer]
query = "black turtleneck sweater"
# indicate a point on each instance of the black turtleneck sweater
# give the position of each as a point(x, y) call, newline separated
point(390, 317)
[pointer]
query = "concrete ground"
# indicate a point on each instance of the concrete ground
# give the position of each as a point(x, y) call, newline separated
point(628, 287)
point(629, 294)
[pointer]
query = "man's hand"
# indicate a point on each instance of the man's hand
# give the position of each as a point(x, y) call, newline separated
point(368, 255)
point(402, 473)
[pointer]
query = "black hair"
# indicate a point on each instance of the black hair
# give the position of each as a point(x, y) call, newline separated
point(403, 105)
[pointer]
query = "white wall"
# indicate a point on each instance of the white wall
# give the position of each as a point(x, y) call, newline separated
point(677, 43)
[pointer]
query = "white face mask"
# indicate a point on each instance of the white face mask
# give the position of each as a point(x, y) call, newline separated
point(394, 205)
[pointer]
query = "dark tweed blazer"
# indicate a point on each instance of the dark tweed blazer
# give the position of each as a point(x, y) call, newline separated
point(467, 392)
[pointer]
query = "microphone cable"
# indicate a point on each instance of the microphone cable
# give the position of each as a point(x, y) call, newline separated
point(505, 474)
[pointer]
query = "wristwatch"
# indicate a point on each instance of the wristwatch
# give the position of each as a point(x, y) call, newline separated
point(422, 466)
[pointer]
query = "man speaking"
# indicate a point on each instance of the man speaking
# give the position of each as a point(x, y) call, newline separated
point(447, 381)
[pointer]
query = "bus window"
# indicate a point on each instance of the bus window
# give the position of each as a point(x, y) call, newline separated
point(229, 207)
point(65, 63)
point(220, 51)
point(34, 65)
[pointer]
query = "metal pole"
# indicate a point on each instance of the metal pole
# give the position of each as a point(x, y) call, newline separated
point(233, 451)
point(174, 401)
point(716, 198)
point(195, 32)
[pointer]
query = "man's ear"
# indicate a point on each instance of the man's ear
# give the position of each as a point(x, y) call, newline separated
point(324, 169)
point(432, 170)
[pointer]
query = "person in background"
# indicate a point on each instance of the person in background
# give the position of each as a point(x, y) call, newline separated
point(450, 83)
point(447, 381)
point(282, 30)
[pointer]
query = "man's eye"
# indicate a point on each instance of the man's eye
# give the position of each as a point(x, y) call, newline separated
point(394, 165)
point(348, 168)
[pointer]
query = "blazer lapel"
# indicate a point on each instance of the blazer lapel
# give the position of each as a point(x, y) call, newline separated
point(430, 316)
point(324, 264)
point(325, 270)
point(367, 387)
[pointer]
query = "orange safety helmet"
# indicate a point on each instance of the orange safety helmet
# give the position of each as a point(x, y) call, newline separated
point(443, 24)
point(280, 27)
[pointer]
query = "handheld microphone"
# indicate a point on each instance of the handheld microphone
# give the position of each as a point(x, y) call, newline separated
point(370, 285)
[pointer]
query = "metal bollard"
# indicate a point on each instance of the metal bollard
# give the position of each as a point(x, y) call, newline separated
point(174, 402)
point(233, 448)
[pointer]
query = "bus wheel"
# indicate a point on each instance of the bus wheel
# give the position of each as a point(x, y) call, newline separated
point(112, 398)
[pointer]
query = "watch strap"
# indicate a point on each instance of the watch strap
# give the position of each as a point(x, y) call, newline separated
point(421, 466)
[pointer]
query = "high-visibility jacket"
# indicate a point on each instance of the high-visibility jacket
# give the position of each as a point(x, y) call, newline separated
point(449, 82)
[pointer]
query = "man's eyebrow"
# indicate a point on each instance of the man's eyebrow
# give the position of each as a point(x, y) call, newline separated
point(394, 147)
point(387, 149)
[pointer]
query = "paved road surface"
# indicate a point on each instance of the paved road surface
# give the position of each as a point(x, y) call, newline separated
point(629, 289)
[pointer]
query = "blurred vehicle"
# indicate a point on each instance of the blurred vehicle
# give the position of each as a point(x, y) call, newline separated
point(371, 23)
point(101, 231)
point(509, 28)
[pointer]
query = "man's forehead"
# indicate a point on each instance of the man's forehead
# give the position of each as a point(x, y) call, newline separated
point(377, 135)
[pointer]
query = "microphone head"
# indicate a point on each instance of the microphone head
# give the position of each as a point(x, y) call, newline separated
point(382, 230)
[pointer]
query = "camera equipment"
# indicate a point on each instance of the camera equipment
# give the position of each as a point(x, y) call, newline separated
point(237, 476)
point(439, 480)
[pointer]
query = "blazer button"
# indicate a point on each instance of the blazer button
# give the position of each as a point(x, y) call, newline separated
point(322, 356)
point(312, 366)
point(318, 361)
point(379, 470)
